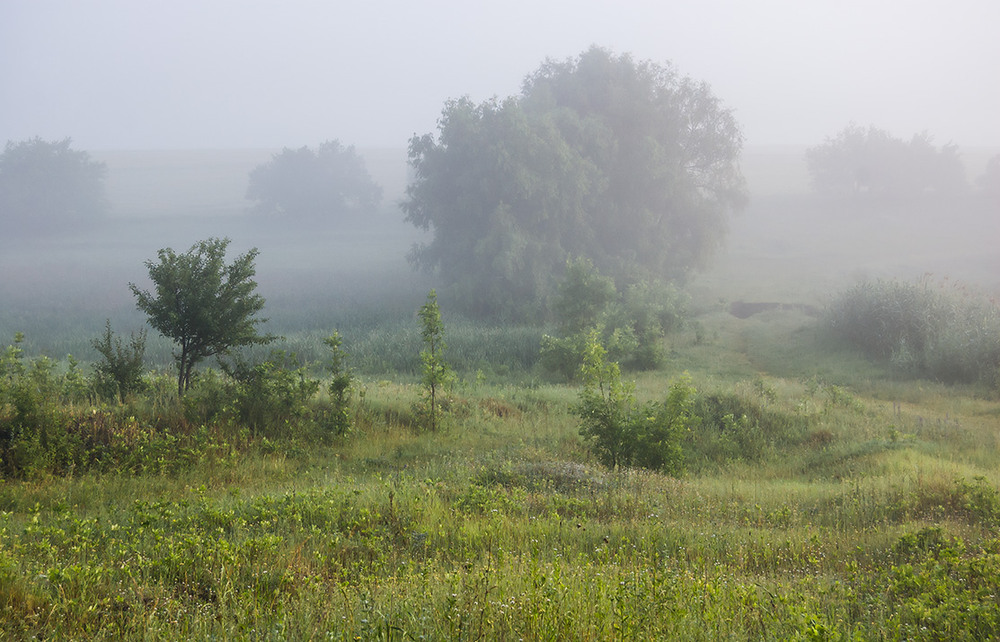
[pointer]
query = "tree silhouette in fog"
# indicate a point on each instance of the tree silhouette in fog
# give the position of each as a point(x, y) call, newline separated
point(625, 163)
point(302, 183)
point(47, 187)
point(871, 161)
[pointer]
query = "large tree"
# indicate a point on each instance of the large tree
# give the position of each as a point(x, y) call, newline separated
point(303, 183)
point(202, 304)
point(623, 162)
point(48, 186)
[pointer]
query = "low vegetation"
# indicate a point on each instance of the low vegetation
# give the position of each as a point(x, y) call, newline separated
point(284, 500)
point(717, 464)
point(943, 331)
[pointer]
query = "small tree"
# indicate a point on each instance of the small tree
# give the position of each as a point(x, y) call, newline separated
point(204, 305)
point(340, 385)
point(435, 371)
point(606, 405)
point(621, 432)
point(119, 372)
point(582, 296)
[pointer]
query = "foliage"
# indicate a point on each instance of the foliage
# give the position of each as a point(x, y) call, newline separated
point(582, 297)
point(270, 396)
point(119, 372)
point(202, 304)
point(29, 411)
point(43, 432)
point(942, 591)
point(946, 331)
point(158, 526)
point(735, 426)
point(621, 432)
point(632, 325)
point(436, 373)
point(621, 162)
point(340, 385)
point(331, 181)
point(46, 186)
point(871, 161)
point(651, 310)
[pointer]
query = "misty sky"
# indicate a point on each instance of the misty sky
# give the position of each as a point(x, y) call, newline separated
point(134, 74)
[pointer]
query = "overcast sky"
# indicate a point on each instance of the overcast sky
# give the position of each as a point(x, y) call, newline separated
point(135, 74)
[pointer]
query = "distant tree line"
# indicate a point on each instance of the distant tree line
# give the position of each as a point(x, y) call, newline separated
point(48, 187)
point(861, 160)
point(328, 182)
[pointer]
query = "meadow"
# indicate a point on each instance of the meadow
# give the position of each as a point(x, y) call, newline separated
point(850, 502)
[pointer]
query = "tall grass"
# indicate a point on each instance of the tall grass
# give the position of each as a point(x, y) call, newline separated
point(943, 331)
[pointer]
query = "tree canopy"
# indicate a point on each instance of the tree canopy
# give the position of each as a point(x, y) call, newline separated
point(625, 163)
point(302, 183)
point(202, 304)
point(47, 186)
point(872, 161)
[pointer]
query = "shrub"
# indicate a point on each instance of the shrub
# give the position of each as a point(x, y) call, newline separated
point(945, 332)
point(269, 395)
point(737, 427)
point(340, 386)
point(631, 324)
point(119, 372)
point(32, 423)
point(621, 432)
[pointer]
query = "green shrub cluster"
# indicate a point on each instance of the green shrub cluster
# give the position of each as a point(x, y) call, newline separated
point(622, 432)
point(940, 590)
point(50, 424)
point(270, 395)
point(55, 419)
point(943, 332)
point(33, 411)
point(737, 427)
point(631, 323)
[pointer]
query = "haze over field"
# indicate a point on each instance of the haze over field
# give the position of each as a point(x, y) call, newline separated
point(181, 101)
point(116, 74)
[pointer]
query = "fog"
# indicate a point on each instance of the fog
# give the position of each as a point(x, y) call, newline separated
point(181, 100)
point(117, 74)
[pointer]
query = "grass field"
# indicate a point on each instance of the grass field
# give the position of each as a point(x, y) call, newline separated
point(861, 505)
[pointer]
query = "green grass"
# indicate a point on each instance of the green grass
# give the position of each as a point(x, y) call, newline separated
point(502, 525)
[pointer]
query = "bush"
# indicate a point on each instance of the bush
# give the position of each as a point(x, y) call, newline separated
point(339, 420)
point(269, 396)
point(119, 372)
point(944, 332)
point(735, 427)
point(32, 422)
point(622, 433)
point(631, 325)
